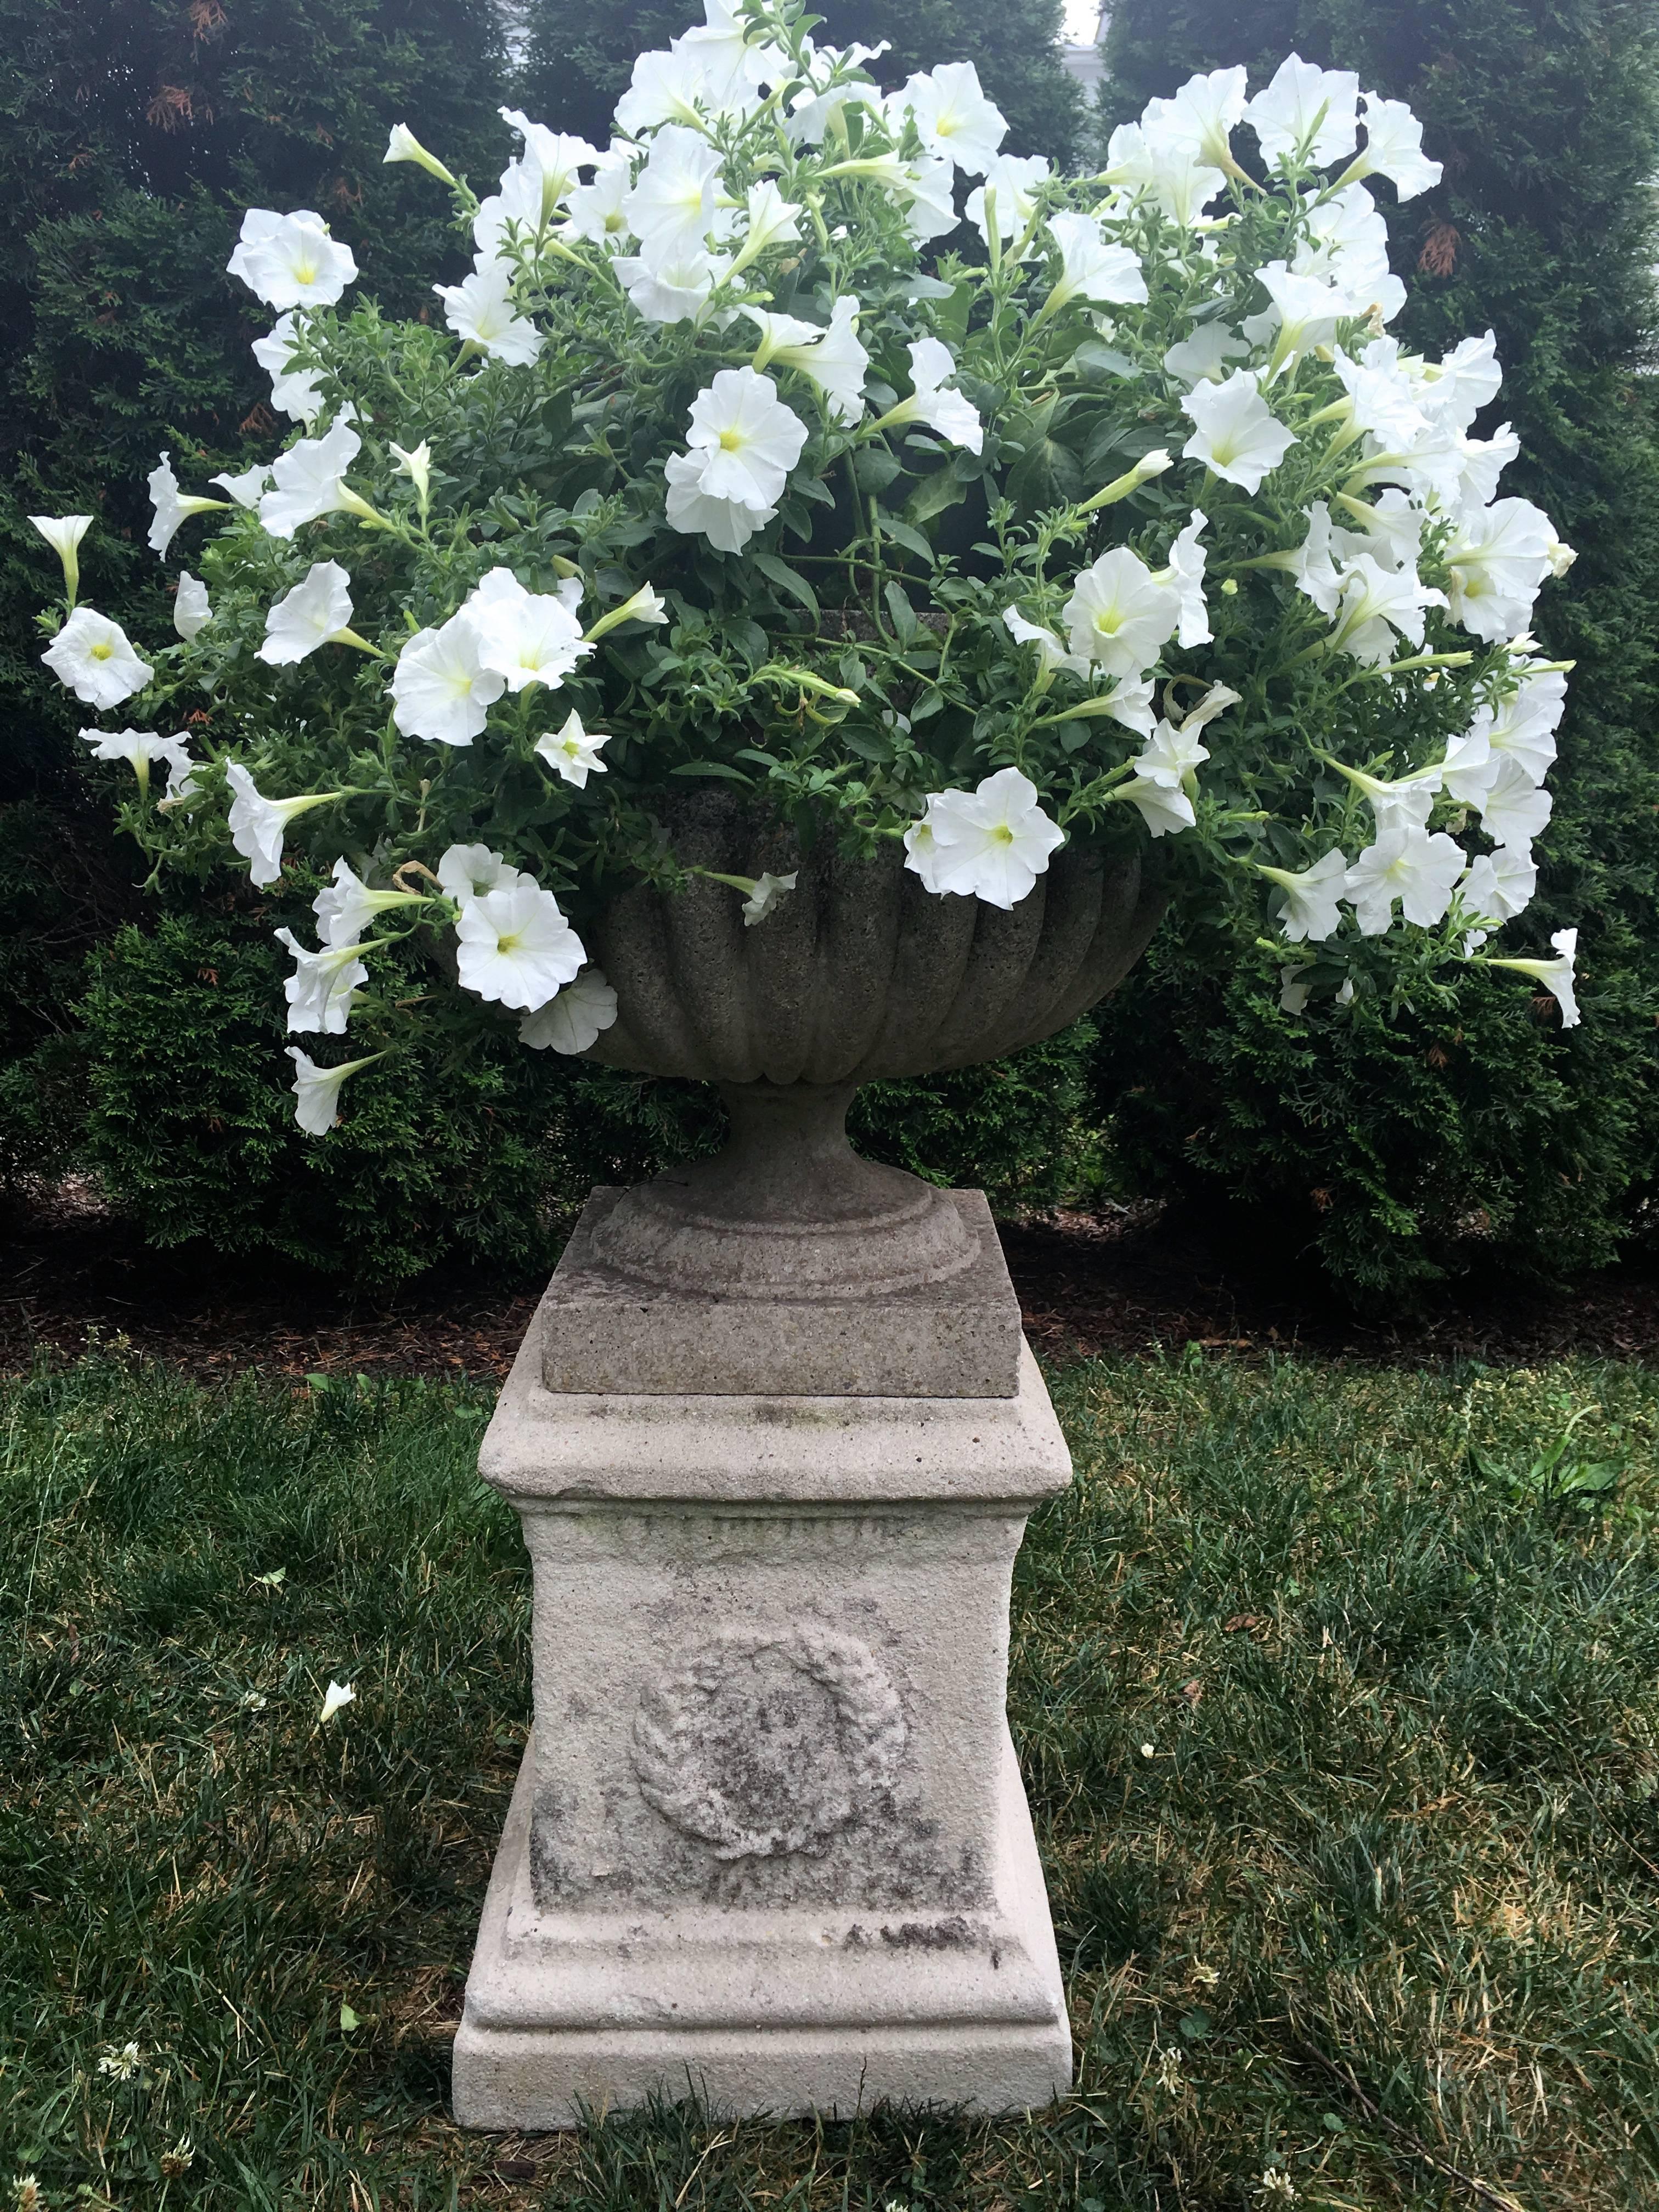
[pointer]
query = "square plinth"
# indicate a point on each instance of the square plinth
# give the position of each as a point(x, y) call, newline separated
point(959, 1338)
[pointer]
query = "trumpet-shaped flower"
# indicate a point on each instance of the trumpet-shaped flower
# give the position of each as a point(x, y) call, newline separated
point(1309, 310)
point(257, 825)
point(1556, 976)
point(1186, 561)
point(1522, 726)
point(191, 611)
point(573, 1019)
point(727, 524)
point(992, 842)
point(294, 392)
point(954, 119)
point(140, 750)
point(1010, 190)
point(1236, 433)
point(513, 212)
point(555, 158)
point(307, 479)
point(1120, 615)
point(1203, 358)
point(1051, 653)
point(1306, 114)
point(321, 989)
point(767, 892)
point(308, 615)
point(832, 359)
point(1199, 120)
point(481, 310)
point(1170, 757)
point(1145, 163)
point(928, 191)
point(671, 207)
point(290, 260)
point(525, 637)
point(744, 442)
point(345, 907)
point(440, 687)
point(316, 1110)
point(93, 657)
point(1496, 560)
point(1498, 886)
point(1346, 245)
point(1310, 909)
point(170, 507)
point(931, 402)
point(1407, 865)
point(1393, 149)
point(599, 212)
point(64, 533)
point(467, 871)
point(1166, 811)
point(248, 486)
point(516, 947)
point(771, 221)
point(1513, 810)
point(573, 750)
point(1090, 268)
point(337, 1695)
point(1376, 604)
point(402, 145)
point(674, 288)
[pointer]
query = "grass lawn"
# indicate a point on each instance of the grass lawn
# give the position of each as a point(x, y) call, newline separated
point(1342, 1737)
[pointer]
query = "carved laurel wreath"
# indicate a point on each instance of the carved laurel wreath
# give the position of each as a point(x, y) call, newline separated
point(671, 1723)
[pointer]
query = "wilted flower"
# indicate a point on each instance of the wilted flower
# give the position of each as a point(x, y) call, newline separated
point(768, 891)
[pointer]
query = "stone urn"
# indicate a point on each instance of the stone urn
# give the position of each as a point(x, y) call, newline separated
point(774, 1435)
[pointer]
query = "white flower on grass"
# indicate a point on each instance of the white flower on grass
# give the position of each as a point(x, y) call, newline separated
point(1120, 614)
point(121, 2061)
point(1090, 269)
point(142, 749)
point(95, 658)
point(573, 750)
point(467, 871)
point(480, 309)
point(320, 991)
point(673, 288)
point(1306, 114)
point(171, 507)
point(1310, 908)
point(294, 392)
point(671, 207)
point(571, 1021)
point(1393, 149)
point(943, 411)
point(744, 442)
point(317, 1109)
point(345, 907)
point(1497, 886)
point(314, 612)
point(1407, 865)
point(1514, 811)
point(1276, 2187)
point(833, 359)
point(1556, 976)
point(1199, 120)
point(769, 891)
point(526, 637)
point(307, 479)
point(247, 487)
point(1186, 559)
point(1496, 560)
point(440, 689)
point(64, 533)
point(404, 146)
point(337, 1695)
point(290, 260)
point(1010, 190)
point(992, 842)
point(515, 946)
point(954, 119)
point(191, 611)
point(257, 825)
point(1236, 433)
point(1203, 358)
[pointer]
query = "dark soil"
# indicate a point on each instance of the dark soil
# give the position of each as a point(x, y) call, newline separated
point(1126, 1281)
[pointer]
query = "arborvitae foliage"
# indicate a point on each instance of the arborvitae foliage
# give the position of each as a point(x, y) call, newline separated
point(578, 59)
point(1389, 1140)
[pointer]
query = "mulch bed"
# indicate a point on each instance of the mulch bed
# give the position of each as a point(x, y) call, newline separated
point(1125, 1281)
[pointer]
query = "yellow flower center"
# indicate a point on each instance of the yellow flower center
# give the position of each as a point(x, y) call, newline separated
point(509, 942)
point(102, 650)
point(305, 273)
point(1002, 835)
point(731, 441)
point(1108, 621)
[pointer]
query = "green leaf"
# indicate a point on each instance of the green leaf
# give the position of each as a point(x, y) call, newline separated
point(874, 467)
point(903, 614)
point(788, 579)
point(714, 768)
point(1095, 363)
point(933, 494)
point(902, 534)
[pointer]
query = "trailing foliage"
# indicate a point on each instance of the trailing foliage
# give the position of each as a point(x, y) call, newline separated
point(1387, 1143)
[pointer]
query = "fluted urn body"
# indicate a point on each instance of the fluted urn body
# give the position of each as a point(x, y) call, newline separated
point(857, 974)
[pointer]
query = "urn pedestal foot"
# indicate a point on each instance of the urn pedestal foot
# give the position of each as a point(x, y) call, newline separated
point(769, 1842)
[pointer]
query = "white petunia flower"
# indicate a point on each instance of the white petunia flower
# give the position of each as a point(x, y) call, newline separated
point(1051, 655)
point(294, 392)
point(1496, 560)
point(258, 825)
point(769, 891)
point(992, 842)
point(571, 1020)
point(345, 907)
point(599, 212)
point(1556, 976)
point(1393, 149)
point(64, 533)
point(191, 611)
point(1523, 726)
point(1513, 810)
point(954, 119)
point(1199, 120)
point(555, 158)
point(1170, 757)
point(467, 871)
point(833, 359)
point(1293, 992)
point(749, 439)
point(573, 750)
point(1306, 114)
point(308, 615)
point(1012, 184)
point(525, 637)
point(481, 310)
point(337, 1696)
point(1186, 560)
point(1309, 310)
point(1165, 813)
point(943, 411)
point(440, 689)
point(1236, 433)
point(1498, 886)
point(1143, 163)
point(171, 508)
point(928, 190)
point(1203, 358)
point(517, 206)
point(1090, 268)
point(247, 487)
point(316, 1110)
point(1376, 604)
point(402, 145)
point(1407, 865)
point(1310, 908)
point(771, 221)
point(516, 947)
point(307, 479)
point(1347, 243)
point(671, 207)
point(290, 260)
point(672, 288)
point(140, 750)
point(1120, 614)
point(93, 657)
point(321, 989)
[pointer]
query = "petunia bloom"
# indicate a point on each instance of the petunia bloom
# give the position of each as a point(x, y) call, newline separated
point(1556, 976)
point(308, 479)
point(440, 689)
point(1120, 615)
point(317, 1109)
point(1407, 865)
point(516, 947)
point(290, 260)
point(525, 637)
point(931, 402)
point(954, 119)
point(481, 310)
point(1090, 268)
point(171, 507)
point(257, 825)
point(64, 533)
point(1311, 909)
point(191, 610)
point(573, 1019)
point(294, 392)
point(1306, 114)
point(321, 989)
point(95, 658)
point(768, 892)
point(1236, 433)
point(992, 843)
point(573, 750)
point(315, 613)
